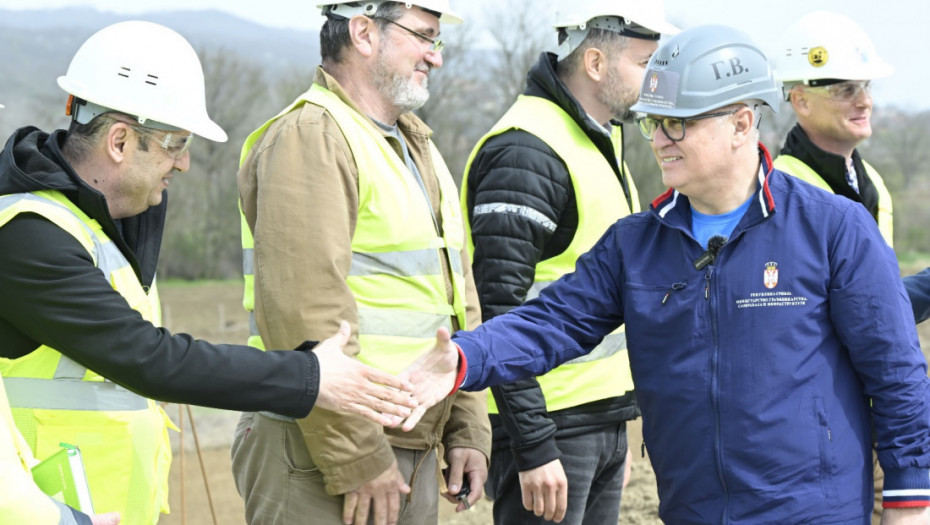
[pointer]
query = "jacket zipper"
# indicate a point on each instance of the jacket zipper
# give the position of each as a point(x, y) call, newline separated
point(675, 287)
point(715, 392)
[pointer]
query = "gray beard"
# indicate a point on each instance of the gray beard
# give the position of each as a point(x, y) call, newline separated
point(401, 91)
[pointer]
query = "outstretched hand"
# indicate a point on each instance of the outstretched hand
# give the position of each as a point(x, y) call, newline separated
point(350, 387)
point(432, 375)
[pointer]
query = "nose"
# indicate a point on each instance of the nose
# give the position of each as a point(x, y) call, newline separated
point(183, 163)
point(863, 98)
point(660, 139)
point(434, 58)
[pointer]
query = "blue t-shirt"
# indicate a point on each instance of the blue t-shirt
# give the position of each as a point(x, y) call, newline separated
point(703, 227)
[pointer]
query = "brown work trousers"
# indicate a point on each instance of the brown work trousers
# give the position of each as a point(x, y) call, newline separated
point(281, 485)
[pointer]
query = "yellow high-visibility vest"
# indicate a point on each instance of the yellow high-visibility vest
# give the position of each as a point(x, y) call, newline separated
point(794, 166)
point(605, 372)
point(396, 275)
point(21, 501)
point(123, 437)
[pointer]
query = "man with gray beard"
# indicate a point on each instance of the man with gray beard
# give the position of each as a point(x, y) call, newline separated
point(352, 214)
point(540, 188)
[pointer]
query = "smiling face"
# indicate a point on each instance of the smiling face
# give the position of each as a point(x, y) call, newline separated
point(716, 162)
point(404, 60)
point(144, 177)
point(834, 124)
point(693, 161)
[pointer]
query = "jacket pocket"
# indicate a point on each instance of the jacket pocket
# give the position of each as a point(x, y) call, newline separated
point(296, 456)
point(650, 309)
point(825, 448)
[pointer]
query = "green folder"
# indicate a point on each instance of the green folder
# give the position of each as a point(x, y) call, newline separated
point(62, 477)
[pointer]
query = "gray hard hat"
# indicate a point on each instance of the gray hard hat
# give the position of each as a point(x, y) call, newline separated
point(705, 68)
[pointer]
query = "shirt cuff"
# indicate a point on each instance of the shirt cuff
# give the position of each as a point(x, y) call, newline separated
point(463, 368)
point(905, 488)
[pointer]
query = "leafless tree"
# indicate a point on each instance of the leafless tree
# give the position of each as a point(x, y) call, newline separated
point(522, 29)
point(202, 234)
point(482, 74)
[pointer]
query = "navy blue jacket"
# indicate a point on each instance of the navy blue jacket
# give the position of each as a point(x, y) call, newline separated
point(755, 374)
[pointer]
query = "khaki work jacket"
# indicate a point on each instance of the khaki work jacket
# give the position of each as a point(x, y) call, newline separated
point(299, 193)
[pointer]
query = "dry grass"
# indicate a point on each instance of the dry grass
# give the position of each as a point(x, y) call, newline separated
point(213, 311)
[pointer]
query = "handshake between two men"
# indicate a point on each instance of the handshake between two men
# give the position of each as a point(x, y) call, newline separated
point(348, 386)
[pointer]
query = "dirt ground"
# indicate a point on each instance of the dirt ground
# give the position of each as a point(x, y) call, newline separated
point(213, 312)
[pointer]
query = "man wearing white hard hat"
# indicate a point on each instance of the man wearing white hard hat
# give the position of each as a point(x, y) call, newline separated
point(344, 192)
point(21, 500)
point(827, 64)
point(539, 190)
point(82, 212)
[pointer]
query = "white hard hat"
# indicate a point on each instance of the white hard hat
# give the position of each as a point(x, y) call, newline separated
point(350, 8)
point(638, 19)
point(826, 45)
point(145, 70)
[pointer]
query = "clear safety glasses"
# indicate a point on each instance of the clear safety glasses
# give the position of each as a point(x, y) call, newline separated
point(175, 143)
point(844, 91)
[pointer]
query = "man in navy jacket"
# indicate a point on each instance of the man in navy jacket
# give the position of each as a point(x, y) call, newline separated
point(767, 323)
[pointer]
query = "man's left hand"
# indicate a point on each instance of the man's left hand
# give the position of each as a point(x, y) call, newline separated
point(464, 460)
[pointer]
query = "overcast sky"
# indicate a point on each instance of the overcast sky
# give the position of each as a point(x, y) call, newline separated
point(897, 27)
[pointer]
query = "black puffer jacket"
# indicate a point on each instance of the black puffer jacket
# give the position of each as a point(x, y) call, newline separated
point(519, 170)
point(54, 295)
point(832, 168)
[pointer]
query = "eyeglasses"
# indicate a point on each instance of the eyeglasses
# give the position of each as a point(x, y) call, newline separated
point(435, 45)
point(174, 144)
point(673, 127)
point(844, 91)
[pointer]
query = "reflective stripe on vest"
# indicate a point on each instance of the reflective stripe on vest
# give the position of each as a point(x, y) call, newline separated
point(612, 344)
point(605, 371)
point(794, 166)
point(71, 395)
point(401, 295)
point(248, 269)
point(122, 436)
point(20, 502)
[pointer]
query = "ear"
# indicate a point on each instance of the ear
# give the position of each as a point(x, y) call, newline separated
point(799, 101)
point(595, 64)
point(364, 34)
point(117, 138)
point(743, 124)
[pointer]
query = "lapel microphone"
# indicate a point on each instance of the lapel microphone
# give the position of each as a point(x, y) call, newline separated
point(714, 244)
